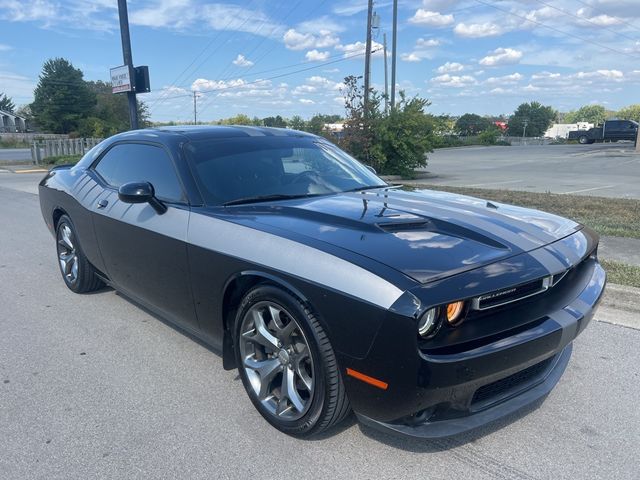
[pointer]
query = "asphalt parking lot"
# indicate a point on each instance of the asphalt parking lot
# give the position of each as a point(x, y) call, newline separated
point(607, 170)
point(92, 386)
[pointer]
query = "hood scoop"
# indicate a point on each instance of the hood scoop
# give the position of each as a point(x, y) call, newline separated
point(440, 227)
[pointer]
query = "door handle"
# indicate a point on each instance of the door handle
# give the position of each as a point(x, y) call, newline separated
point(103, 203)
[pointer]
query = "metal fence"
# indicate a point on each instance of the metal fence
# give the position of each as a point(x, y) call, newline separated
point(53, 148)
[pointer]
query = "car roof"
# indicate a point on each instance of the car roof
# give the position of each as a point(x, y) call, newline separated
point(202, 132)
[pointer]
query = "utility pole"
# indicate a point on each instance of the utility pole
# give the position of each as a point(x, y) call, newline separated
point(524, 130)
point(394, 49)
point(386, 76)
point(367, 59)
point(128, 61)
point(195, 108)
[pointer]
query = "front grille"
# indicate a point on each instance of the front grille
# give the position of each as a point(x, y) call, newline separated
point(512, 382)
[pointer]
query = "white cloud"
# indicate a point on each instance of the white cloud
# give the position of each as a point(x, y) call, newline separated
point(5, 48)
point(602, 20)
point(454, 81)
point(296, 40)
point(614, 75)
point(478, 30)
point(505, 79)
point(431, 19)
point(241, 61)
point(316, 56)
point(450, 67)
point(410, 57)
point(307, 101)
point(531, 88)
point(359, 48)
point(501, 56)
point(424, 48)
point(424, 43)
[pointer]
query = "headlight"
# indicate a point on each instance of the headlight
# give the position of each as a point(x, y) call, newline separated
point(454, 313)
point(428, 323)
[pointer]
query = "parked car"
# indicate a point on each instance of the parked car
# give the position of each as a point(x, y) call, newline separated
point(611, 130)
point(426, 313)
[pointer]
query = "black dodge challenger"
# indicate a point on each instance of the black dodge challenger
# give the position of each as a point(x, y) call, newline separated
point(426, 313)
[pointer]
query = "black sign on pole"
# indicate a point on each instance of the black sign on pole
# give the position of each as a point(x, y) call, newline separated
point(128, 61)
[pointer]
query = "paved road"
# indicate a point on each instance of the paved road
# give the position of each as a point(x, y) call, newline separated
point(92, 386)
point(608, 170)
point(16, 154)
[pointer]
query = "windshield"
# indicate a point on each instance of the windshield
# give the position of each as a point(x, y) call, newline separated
point(232, 170)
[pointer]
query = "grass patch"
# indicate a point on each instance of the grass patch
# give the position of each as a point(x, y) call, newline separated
point(621, 273)
point(14, 143)
point(616, 217)
point(61, 160)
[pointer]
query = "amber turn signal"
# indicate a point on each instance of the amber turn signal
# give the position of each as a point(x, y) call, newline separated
point(454, 313)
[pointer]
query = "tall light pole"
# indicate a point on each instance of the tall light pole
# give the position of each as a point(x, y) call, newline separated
point(394, 41)
point(367, 59)
point(128, 61)
point(524, 130)
point(386, 76)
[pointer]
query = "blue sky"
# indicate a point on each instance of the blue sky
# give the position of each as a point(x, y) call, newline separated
point(273, 57)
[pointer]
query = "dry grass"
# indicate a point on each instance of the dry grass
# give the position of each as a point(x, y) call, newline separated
point(621, 273)
point(617, 217)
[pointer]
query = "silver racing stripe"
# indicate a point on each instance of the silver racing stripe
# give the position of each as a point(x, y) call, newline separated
point(291, 257)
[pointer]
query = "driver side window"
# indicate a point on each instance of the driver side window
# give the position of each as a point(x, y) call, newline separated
point(131, 162)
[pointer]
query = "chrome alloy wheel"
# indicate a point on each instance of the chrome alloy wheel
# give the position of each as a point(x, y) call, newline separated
point(277, 360)
point(67, 255)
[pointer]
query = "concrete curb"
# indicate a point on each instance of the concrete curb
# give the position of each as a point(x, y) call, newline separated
point(620, 306)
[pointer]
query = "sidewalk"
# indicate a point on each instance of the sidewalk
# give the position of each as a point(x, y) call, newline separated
point(622, 250)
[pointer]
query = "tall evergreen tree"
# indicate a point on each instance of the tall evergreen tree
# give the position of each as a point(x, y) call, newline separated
point(6, 104)
point(62, 98)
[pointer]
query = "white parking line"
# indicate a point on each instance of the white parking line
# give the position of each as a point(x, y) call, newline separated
point(588, 189)
point(493, 183)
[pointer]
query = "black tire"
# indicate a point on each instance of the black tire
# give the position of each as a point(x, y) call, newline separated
point(328, 404)
point(583, 140)
point(81, 277)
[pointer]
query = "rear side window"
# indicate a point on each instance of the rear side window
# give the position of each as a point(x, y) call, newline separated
point(132, 162)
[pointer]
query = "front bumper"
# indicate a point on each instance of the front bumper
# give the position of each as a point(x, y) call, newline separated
point(442, 395)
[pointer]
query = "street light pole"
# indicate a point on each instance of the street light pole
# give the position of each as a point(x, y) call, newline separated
point(367, 59)
point(394, 42)
point(128, 61)
point(386, 76)
point(524, 130)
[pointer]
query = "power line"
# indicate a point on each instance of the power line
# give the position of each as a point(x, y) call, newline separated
point(586, 20)
point(234, 87)
point(558, 30)
point(606, 13)
point(211, 41)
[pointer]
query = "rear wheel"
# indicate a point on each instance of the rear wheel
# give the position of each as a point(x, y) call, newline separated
point(78, 274)
point(583, 139)
point(286, 363)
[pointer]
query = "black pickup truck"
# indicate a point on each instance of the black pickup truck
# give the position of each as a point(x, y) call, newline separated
point(611, 130)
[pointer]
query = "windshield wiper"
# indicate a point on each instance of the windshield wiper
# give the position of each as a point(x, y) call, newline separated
point(263, 198)
point(367, 187)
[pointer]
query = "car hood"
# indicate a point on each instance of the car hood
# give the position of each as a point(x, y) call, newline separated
point(422, 233)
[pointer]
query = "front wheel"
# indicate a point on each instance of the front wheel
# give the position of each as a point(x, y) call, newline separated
point(78, 274)
point(286, 363)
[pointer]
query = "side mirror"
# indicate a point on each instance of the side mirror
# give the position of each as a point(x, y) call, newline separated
point(141, 192)
point(371, 169)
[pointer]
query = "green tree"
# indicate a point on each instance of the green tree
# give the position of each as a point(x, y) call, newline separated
point(297, 122)
point(110, 114)
point(595, 114)
point(240, 119)
point(471, 124)
point(316, 123)
point(537, 117)
point(62, 98)
point(6, 103)
point(276, 121)
point(393, 143)
point(405, 136)
point(632, 112)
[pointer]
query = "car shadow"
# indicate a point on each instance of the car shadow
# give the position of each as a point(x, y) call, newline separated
point(409, 444)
